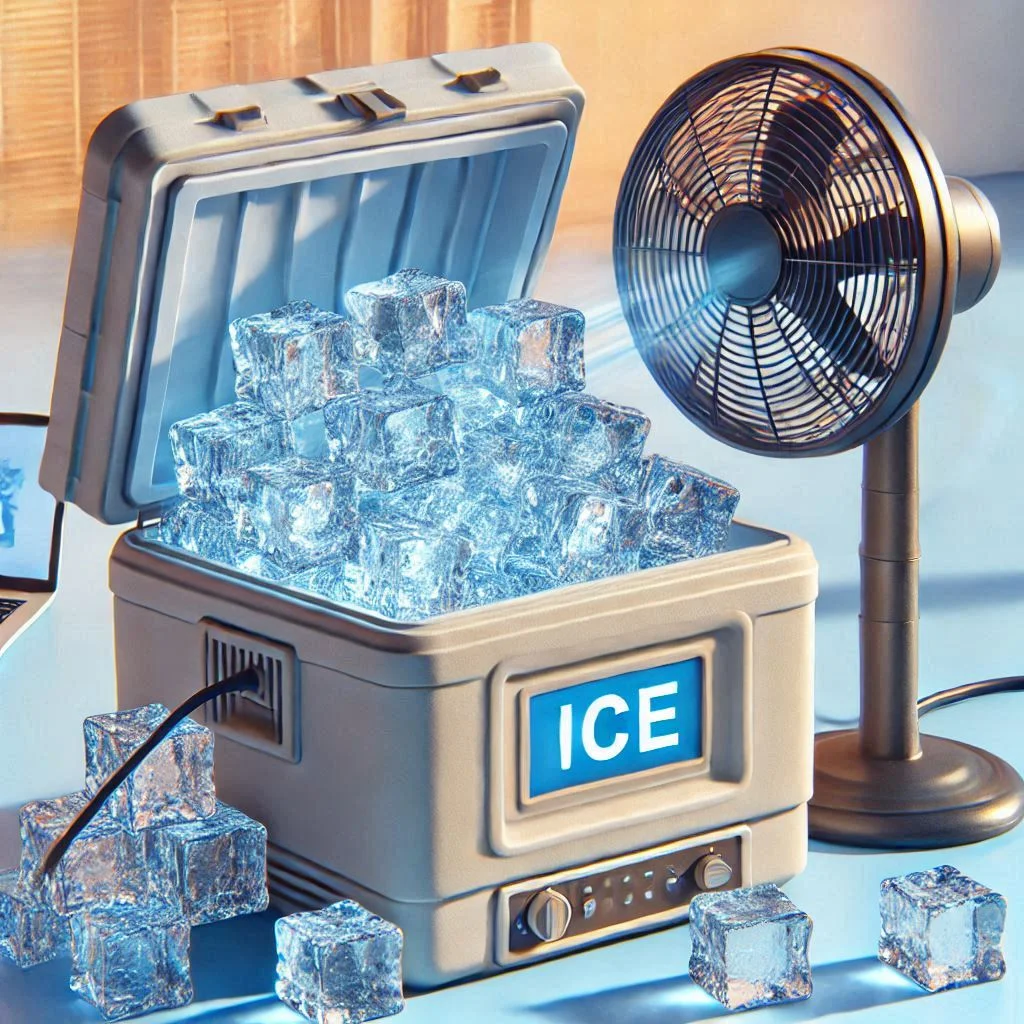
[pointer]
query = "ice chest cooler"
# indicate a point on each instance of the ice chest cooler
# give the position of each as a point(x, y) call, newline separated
point(505, 783)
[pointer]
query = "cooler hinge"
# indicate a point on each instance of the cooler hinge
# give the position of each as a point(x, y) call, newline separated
point(372, 104)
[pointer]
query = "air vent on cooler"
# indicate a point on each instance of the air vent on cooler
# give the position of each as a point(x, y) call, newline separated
point(267, 719)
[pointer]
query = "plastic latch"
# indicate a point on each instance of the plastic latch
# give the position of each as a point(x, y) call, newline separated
point(242, 119)
point(476, 81)
point(372, 105)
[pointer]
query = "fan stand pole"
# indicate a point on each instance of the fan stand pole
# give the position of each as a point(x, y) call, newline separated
point(884, 784)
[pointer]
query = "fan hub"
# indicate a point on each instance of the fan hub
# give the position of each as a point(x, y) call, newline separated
point(743, 254)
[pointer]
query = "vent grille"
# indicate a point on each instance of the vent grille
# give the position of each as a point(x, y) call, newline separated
point(266, 719)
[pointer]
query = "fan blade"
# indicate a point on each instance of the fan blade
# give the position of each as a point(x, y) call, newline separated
point(811, 291)
point(879, 242)
point(799, 145)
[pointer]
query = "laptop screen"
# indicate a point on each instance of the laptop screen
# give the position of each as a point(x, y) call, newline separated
point(30, 518)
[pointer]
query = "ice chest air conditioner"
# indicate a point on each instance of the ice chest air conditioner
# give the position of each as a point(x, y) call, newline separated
point(417, 767)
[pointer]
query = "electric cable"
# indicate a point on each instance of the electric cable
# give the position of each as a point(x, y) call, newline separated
point(248, 680)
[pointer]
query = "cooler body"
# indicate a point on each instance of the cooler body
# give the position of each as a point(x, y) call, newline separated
point(600, 741)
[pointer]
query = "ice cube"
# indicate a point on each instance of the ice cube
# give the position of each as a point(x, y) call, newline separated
point(418, 320)
point(413, 570)
point(591, 439)
point(393, 439)
point(474, 405)
point(529, 349)
point(687, 512)
point(339, 965)
point(174, 783)
point(105, 864)
point(31, 931)
point(298, 357)
point(302, 510)
point(217, 865)
point(207, 530)
point(942, 929)
point(573, 529)
point(131, 963)
point(750, 947)
point(496, 459)
point(214, 445)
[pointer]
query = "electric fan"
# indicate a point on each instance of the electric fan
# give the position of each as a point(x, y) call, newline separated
point(789, 257)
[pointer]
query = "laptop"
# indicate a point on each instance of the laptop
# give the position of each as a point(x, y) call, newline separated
point(30, 527)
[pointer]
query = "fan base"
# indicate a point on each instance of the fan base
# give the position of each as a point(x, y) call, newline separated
point(950, 795)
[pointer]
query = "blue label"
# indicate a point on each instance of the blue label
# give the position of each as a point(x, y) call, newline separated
point(617, 726)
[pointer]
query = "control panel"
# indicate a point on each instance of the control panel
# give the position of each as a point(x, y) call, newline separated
point(618, 896)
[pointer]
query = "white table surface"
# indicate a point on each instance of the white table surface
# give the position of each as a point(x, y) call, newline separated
point(972, 495)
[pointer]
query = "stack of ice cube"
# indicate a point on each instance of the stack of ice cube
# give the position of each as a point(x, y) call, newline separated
point(415, 459)
point(162, 855)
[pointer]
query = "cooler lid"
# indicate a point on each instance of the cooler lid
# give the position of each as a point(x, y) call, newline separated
point(200, 208)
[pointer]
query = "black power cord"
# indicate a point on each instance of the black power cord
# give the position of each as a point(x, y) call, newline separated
point(957, 694)
point(946, 698)
point(248, 680)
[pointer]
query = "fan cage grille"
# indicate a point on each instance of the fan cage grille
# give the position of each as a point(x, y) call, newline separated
point(796, 371)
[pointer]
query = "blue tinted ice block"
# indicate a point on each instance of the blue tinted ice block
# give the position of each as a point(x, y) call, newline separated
point(687, 512)
point(173, 784)
point(131, 963)
point(750, 947)
point(302, 510)
point(417, 320)
point(216, 445)
point(575, 529)
point(413, 570)
point(529, 349)
point(105, 864)
point(339, 965)
point(207, 530)
point(591, 439)
point(217, 866)
point(31, 931)
point(298, 357)
point(474, 405)
point(498, 458)
point(393, 439)
point(942, 929)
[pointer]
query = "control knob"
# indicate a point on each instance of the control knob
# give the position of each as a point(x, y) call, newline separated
point(548, 915)
point(712, 872)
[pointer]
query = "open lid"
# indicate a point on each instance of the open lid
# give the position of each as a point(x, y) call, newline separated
point(200, 208)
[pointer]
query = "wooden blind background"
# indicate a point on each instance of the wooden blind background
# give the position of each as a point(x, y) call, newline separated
point(65, 63)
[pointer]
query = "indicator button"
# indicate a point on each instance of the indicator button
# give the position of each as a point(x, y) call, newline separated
point(712, 872)
point(589, 908)
point(548, 915)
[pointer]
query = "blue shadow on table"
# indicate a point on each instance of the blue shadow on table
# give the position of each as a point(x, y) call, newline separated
point(838, 988)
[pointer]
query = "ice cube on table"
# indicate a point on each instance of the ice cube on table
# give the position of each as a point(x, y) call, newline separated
point(105, 864)
point(216, 445)
point(687, 514)
point(942, 929)
point(529, 349)
point(31, 931)
point(417, 320)
point(750, 947)
point(302, 510)
point(297, 357)
point(339, 965)
point(413, 570)
point(218, 866)
point(590, 439)
point(575, 528)
point(393, 439)
point(131, 963)
point(173, 784)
